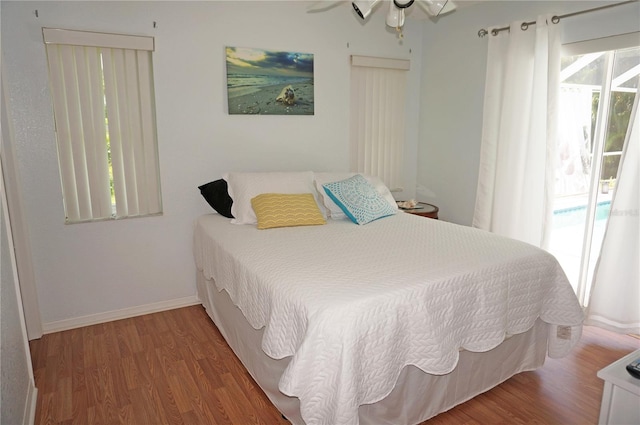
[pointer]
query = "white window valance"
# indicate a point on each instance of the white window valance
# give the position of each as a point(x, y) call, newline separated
point(97, 39)
point(374, 62)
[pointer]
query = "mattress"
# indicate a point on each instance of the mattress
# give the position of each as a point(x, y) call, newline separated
point(352, 306)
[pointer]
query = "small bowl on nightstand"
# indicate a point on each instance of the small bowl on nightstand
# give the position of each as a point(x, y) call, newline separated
point(423, 209)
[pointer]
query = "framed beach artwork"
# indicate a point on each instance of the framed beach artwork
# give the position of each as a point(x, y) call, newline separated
point(265, 82)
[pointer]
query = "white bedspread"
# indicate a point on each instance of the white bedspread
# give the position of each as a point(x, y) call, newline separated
point(355, 304)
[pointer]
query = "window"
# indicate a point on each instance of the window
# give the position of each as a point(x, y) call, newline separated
point(598, 87)
point(378, 95)
point(103, 104)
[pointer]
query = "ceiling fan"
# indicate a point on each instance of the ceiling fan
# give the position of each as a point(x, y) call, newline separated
point(395, 15)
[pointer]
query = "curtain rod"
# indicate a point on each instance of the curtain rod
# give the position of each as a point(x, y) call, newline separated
point(555, 19)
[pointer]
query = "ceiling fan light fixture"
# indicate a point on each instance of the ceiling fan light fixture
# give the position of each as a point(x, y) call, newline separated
point(403, 4)
point(437, 7)
point(364, 7)
point(395, 17)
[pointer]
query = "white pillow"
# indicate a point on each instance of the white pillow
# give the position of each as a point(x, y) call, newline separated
point(243, 187)
point(332, 209)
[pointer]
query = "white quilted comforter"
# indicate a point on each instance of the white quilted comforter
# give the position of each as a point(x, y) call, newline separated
point(355, 304)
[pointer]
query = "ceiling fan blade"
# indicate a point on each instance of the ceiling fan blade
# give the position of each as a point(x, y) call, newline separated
point(324, 5)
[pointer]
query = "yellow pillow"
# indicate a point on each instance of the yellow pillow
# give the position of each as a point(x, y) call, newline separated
point(284, 210)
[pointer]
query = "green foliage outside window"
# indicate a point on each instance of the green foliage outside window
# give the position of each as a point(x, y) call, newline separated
point(618, 122)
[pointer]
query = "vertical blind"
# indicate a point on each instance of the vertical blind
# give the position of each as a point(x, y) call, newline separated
point(102, 91)
point(378, 96)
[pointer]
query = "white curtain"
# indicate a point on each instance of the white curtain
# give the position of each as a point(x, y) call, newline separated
point(516, 178)
point(615, 295)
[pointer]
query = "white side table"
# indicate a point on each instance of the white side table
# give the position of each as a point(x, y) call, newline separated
point(621, 396)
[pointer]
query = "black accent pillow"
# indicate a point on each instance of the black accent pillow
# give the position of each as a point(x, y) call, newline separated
point(217, 195)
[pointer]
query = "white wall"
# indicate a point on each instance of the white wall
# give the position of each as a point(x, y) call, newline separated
point(18, 391)
point(95, 270)
point(17, 387)
point(454, 64)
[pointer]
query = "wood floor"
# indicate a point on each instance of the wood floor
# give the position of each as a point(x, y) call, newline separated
point(175, 368)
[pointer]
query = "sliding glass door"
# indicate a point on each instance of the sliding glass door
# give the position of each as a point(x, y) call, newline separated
point(596, 99)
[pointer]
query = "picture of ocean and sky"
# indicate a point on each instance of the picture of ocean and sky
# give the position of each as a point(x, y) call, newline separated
point(264, 82)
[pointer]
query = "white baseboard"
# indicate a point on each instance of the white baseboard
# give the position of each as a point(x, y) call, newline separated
point(30, 405)
point(125, 313)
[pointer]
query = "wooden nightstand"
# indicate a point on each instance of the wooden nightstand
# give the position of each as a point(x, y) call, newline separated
point(425, 210)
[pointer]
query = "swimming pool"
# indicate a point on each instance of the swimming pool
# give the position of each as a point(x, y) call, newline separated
point(577, 215)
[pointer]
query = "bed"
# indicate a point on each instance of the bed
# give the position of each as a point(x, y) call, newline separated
point(391, 322)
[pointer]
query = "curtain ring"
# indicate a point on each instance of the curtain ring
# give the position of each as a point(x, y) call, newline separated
point(555, 19)
point(524, 26)
point(494, 32)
